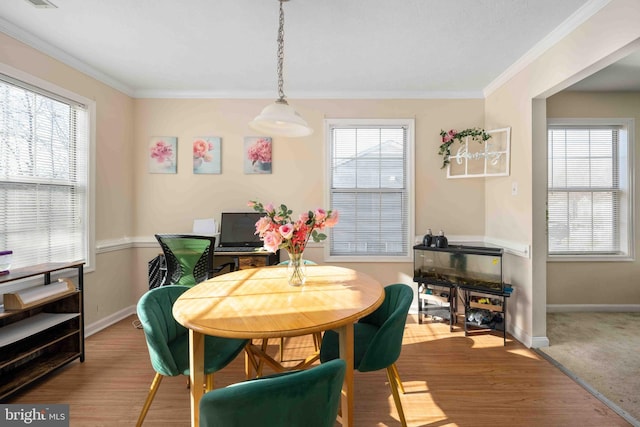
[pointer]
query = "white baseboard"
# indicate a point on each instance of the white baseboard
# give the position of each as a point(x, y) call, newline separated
point(612, 308)
point(538, 342)
point(108, 321)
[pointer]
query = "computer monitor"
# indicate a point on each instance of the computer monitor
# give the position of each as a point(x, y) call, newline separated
point(237, 229)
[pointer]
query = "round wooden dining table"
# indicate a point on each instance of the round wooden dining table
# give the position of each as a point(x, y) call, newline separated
point(259, 303)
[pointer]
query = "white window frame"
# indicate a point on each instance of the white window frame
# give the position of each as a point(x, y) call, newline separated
point(409, 170)
point(626, 213)
point(89, 220)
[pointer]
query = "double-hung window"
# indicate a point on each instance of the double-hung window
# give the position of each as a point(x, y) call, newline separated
point(590, 191)
point(370, 184)
point(44, 172)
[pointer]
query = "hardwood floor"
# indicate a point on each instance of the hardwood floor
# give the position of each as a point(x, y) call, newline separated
point(449, 380)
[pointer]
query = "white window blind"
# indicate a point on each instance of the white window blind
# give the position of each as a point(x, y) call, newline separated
point(44, 148)
point(588, 195)
point(369, 185)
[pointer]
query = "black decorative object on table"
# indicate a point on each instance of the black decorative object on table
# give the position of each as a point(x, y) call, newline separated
point(441, 240)
point(427, 240)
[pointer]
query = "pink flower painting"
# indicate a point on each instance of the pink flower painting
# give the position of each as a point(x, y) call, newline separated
point(163, 154)
point(206, 155)
point(257, 155)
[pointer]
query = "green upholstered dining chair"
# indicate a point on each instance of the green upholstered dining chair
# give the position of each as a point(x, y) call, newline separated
point(189, 258)
point(168, 342)
point(307, 398)
point(378, 339)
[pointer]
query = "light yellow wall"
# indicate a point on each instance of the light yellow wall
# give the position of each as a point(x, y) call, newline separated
point(131, 202)
point(593, 45)
point(581, 282)
point(169, 203)
point(108, 288)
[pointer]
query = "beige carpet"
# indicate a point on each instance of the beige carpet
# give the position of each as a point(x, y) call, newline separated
point(603, 351)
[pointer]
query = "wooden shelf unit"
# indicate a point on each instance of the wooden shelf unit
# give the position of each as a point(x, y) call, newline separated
point(44, 335)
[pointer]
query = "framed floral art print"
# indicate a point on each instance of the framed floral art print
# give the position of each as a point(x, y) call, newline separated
point(207, 155)
point(257, 155)
point(163, 154)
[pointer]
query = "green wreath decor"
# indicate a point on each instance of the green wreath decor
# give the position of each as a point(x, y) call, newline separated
point(448, 138)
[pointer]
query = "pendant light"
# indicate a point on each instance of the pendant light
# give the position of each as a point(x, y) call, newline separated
point(279, 118)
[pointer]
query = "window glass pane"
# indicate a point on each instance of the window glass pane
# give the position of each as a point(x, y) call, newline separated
point(558, 173)
point(367, 172)
point(577, 172)
point(577, 143)
point(601, 173)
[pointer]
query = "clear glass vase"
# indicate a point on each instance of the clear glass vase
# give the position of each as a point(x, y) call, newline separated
point(296, 269)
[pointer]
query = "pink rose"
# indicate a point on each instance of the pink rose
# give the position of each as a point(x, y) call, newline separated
point(286, 231)
point(269, 208)
point(263, 225)
point(272, 240)
point(304, 217)
point(331, 219)
point(320, 215)
point(449, 135)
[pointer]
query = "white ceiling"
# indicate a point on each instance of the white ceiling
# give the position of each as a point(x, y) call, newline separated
point(333, 48)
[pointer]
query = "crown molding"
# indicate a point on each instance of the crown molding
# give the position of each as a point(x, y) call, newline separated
point(561, 31)
point(35, 42)
point(186, 94)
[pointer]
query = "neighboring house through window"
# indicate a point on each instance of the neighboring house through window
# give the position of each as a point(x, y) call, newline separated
point(45, 141)
point(370, 183)
point(590, 189)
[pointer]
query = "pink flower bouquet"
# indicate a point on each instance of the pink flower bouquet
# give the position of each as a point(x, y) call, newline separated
point(279, 231)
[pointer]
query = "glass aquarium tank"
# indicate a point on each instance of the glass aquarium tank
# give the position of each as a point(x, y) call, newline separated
point(471, 266)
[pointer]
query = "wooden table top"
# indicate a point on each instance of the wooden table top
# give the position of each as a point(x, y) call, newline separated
point(259, 303)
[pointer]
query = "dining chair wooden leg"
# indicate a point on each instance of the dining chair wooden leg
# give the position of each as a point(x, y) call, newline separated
point(393, 383)
point(250, 363)
point(317, 340)
point(281, 349)
point(147, 403)
point(265, 344)
point(208, 382)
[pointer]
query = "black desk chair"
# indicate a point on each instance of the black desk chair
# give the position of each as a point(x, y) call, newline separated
point(189, 258)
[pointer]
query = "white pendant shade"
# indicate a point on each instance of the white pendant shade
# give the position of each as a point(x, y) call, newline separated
point(280, 119)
